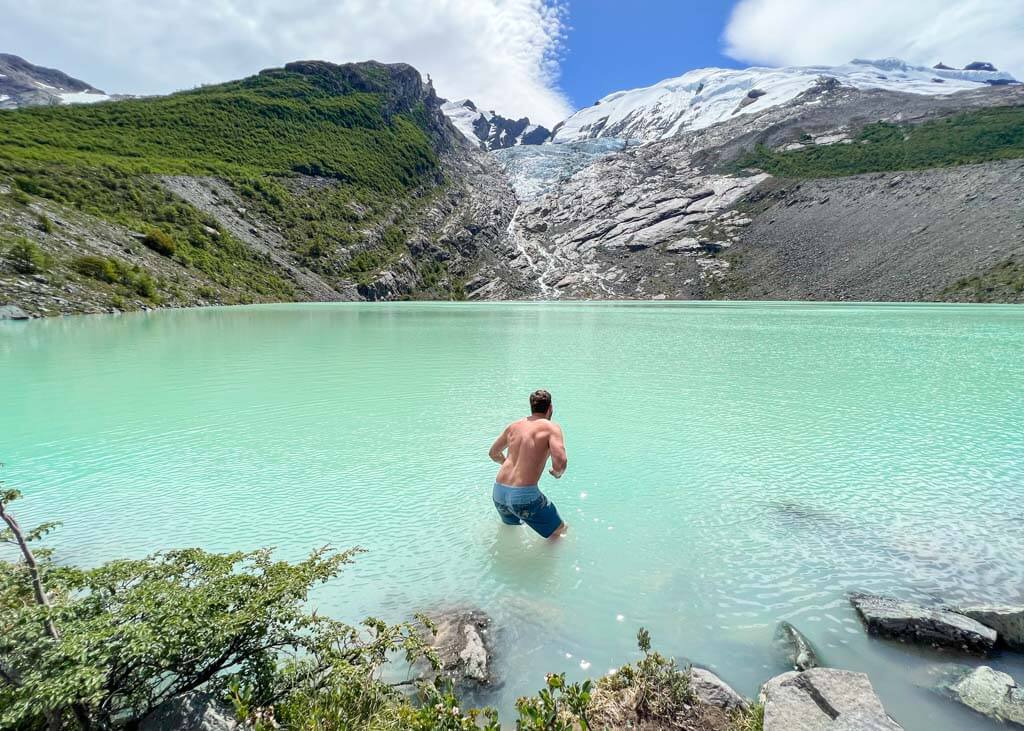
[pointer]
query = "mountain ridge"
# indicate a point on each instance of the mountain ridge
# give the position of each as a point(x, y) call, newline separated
point(319, 181)
point(702, 97)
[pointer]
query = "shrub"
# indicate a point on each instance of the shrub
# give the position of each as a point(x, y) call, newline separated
point(25, 257)
point(45, 224)
point(97, 267)
point(159, 242)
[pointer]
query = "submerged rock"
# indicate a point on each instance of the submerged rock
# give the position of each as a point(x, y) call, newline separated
point(462, 644)
point(798, 651)
point(823, 699)
point(12, 312)
point(196, 711)
point(909, 622)
point(1008, 622)
point(713, 691)
point(990, 692)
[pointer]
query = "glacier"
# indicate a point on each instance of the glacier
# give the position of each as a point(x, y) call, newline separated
point(534, 169)
point(703, 97)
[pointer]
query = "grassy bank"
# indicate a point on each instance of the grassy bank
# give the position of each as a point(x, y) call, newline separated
point(972, 137)
point(356, 129)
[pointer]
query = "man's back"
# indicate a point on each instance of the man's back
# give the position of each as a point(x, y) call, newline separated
point(529, 443)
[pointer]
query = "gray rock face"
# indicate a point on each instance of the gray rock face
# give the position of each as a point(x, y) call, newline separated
point(195, 711)
point(23, 84)
point(12, 312)
point(621, 227)
point(990, 692)
point(823, 699)
point(909, 622)
point(462, 645)
point(1008, 622)
point(714, 691)
point(796, 648)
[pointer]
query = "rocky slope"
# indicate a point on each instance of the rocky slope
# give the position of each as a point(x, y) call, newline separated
point(492, 131)
point(840, 192)
point(674, 219)
point(23, 84)
point(389, 203)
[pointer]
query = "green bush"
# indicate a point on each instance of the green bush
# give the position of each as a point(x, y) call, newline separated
point(159, 242)
point(45, 224)
point(25, 257)
point(134, 279)
point(97, 267)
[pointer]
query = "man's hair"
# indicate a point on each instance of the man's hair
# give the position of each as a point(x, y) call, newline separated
point(540, 400)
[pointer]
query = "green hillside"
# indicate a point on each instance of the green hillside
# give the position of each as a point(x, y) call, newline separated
point(980, 136)
point(362, 127)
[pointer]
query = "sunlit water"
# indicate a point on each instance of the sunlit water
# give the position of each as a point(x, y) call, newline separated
point(730, 466)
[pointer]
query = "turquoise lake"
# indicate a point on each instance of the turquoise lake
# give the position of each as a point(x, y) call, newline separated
point(730, 466)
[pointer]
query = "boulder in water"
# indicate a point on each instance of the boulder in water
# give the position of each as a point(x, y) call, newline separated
point(990, 692)
point(1007, 621)
point(795, 647)
point(823, 699)
point(713, 691)
point(197, 711)
point(12, 312)
point(909, 622)
point(462, 643)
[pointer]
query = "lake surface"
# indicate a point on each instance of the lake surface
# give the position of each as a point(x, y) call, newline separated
point(730, 466)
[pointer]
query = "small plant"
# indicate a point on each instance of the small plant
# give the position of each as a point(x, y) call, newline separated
point(557, 707)
point(25, 257)
point(97, 267)
point(158, 241)
point(45, 224)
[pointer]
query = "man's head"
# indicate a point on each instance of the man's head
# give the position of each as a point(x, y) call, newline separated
point(540, 403)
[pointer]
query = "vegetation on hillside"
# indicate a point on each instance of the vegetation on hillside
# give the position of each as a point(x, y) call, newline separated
point(1003, 282)
point(105, 647)
point(984, 135)
point(343, 125)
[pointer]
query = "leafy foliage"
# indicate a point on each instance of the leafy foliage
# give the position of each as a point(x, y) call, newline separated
point(115, 642)
point(980, 136)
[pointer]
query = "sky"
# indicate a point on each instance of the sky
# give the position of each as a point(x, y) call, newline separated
point(536, 58)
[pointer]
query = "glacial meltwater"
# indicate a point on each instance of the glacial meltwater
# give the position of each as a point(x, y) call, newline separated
point(730, 466)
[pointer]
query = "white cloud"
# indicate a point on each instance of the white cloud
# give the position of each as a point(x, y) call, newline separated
point(503, 54)
point(806, 32)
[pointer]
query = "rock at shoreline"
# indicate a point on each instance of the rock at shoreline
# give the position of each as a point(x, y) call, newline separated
point(713, 691)
point(823, 699)
point(990, 692)
point(12, 312)
point(1008, 622)
point(197, 711)
point(462, 644)
point(910, 622)
point(796, 648)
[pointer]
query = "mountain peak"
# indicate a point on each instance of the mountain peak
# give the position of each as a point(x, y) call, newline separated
point(491, 131)
point(703, 97)
point(24, 84)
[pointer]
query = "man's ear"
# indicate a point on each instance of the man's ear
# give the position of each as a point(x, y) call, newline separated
point(551, 410)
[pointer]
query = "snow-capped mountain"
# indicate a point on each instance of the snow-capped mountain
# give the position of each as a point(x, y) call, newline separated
point(492, 131)
point(23, 84)
point(703, 97)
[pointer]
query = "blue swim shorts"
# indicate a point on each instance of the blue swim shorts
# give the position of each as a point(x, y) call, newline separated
point(517, 505)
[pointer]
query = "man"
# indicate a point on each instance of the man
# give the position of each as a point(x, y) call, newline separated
point(529, 441)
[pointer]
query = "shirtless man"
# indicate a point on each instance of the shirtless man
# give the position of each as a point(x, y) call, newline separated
point(529, 442)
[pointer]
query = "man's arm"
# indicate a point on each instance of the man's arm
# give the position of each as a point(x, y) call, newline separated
point(497, 452)
point(556, 444)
